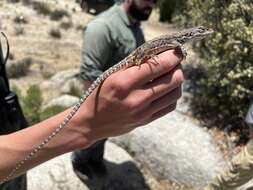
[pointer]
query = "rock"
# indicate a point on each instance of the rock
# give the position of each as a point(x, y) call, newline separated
point(183, 105)
point(122, 173)
point(176, 149)
point(74, 82)
point(61, 83)
point(47, 85)
point(64, 101)
point(57, 174)
point(63, 76)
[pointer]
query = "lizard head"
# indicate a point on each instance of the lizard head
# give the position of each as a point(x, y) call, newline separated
point(195, 33)
point(201, 32)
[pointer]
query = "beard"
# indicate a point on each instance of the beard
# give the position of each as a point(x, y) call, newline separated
point(138, 13)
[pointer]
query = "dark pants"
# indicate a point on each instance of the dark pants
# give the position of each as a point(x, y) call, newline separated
point(90, 161)
point(18, 183)
point(11, 120)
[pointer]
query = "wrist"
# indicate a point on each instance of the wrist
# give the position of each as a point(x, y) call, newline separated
point(76, 134)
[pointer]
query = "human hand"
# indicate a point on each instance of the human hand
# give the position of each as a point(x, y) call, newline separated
point(132, 97)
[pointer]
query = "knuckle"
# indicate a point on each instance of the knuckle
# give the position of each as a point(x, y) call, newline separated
point(132, 104)
point(119, 87)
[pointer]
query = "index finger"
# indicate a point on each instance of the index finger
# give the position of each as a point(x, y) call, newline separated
point(153, 69)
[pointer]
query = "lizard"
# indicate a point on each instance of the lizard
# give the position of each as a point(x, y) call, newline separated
point(141, 54)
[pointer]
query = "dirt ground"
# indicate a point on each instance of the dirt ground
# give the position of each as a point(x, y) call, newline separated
point(29, 37)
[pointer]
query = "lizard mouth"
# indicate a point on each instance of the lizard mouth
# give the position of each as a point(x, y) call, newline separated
point(206, 31)
point(210, 31)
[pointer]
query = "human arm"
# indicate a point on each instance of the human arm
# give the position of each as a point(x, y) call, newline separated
point(127, 99)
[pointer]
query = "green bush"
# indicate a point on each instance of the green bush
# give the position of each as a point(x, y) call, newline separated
point(168, 9)
point(31, 104)
point(16, 90)
point(41, 8)
point(51, 111)
point(225, 89)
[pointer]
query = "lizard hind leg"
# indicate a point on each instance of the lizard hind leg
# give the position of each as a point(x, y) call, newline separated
point(146, 58)
point(154, 57)
point(180, 50)
point(184, 51)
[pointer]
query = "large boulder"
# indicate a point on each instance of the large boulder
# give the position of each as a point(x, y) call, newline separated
point(62, 76)
point(61, 83)
point(57, 174)
point(64, 101)
point(71, 83)
point(175, 148)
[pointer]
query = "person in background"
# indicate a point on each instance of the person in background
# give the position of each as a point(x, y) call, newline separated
point(108, 39)
point(240, 170)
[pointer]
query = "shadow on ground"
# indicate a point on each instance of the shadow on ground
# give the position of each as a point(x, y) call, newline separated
point(124, 176)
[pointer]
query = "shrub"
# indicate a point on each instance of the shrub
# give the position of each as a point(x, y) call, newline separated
point(31, 104)
point(66, 25)
point(51, 111)
point(168, 9)
point(26, 2)
point(19, 68)
point(79, 27)
point(225, 90)
point(58, 14)
point(16, 90)
point(74, 90)
point(55, 33)
point(13, 1)
point(41, 8)
point(20, 20)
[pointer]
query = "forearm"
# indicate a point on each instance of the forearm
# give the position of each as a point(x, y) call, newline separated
point(15, 147)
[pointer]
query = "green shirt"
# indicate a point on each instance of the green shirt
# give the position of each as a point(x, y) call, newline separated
point(108, 39)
